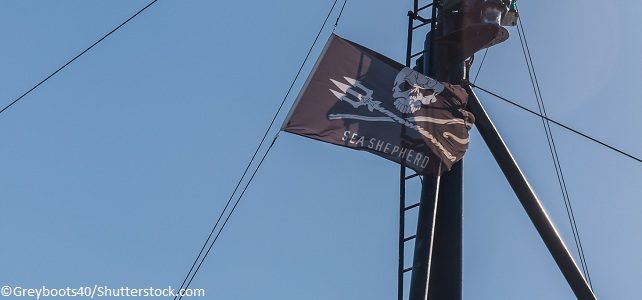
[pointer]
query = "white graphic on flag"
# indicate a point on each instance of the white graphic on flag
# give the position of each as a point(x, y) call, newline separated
point(411, 91)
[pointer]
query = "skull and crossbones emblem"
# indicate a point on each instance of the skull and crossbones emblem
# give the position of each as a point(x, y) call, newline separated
point(412, 90)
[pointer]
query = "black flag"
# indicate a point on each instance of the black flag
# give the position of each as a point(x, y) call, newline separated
point(360, 99)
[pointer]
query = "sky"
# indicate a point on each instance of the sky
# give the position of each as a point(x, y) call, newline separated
point(114, 171)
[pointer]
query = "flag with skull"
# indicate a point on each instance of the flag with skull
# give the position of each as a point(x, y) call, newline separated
point(360, 99)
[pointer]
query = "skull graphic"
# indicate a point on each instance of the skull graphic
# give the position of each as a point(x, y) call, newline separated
point(413, 89)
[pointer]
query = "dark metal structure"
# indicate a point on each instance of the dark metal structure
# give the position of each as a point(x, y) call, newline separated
point(458, 29)
point(437, 261)
point(529, 200)
point(428, 202)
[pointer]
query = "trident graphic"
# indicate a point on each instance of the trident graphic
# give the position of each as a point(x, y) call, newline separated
point(372, 105)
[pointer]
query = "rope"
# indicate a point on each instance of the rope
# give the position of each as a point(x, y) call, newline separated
point(194, 268)
point(552, 148)
point(76, 57)
point(336, 23)
point(575, 131)
point(481, 65)
point(229, 215)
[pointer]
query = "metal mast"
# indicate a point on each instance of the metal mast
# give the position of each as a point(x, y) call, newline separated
point(437, 262)
point(458, 29)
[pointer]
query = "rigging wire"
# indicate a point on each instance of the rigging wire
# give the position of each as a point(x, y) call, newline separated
point(481, 65)
point(185, 284)
point(575, 131)
point(76, 57)
point(553, 148)
point(551, 144)
point(229, 215)
point(336, 23)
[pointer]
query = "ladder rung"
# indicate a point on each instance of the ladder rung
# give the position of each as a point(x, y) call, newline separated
point(411, 206)
point(419, 26)
point(410, 238)
point(424, 7)
point(422, 19)
point(418, 53)
point(413, 176)
point(406, 270)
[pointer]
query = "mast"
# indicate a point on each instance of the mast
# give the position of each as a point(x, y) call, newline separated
point(529, 201)
point(438, 252)
point(438, 257)
point(460, 28)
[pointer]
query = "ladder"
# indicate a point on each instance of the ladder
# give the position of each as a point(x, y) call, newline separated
point(415, 22)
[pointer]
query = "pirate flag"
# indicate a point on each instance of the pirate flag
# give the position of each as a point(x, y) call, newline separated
point(360, 99)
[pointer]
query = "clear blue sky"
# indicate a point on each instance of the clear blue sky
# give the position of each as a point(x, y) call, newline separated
point(114, 171)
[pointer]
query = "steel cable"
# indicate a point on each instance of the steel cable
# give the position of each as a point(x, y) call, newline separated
point(552, 148)
point(75, 57)
point(194, 268)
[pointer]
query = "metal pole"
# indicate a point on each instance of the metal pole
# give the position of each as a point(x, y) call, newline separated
point(447, 256)
point(446, 280)
point(438, 258)
point(421, 263)
point(529, 200)
point(402, 230)
point(402, 179)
